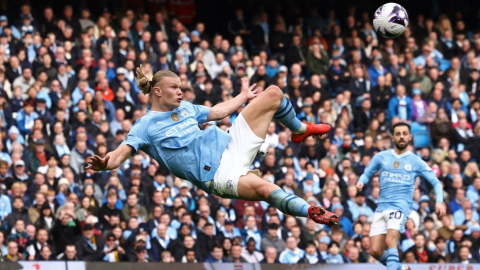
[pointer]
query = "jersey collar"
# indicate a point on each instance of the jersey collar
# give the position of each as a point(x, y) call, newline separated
point(400, 156)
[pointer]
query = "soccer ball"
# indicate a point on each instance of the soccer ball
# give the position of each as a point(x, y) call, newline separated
point(390, 20)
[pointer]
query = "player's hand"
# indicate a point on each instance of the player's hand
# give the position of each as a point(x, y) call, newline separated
point(249, 91)
point(359, 186)
point(97, 163)
point(440, 209)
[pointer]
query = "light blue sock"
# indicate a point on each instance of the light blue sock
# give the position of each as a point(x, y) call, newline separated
point(288, 203)
point(287, 116)
point(393, 261)
point(383, 259)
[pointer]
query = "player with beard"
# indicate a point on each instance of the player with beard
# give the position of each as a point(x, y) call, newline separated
point(398, 169)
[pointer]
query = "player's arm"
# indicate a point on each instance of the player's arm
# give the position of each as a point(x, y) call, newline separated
point(226, 108)
point(112, 160)
point(372, 168)
point(428, 174)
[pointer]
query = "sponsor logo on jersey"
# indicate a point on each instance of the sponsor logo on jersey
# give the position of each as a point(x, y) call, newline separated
point(408, 167)
point(175, 117)
point(184, 113)
point(395, 177)
point(396, 164)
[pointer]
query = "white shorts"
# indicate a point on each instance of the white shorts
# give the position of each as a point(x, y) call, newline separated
point(388, 220)
point(236, 159)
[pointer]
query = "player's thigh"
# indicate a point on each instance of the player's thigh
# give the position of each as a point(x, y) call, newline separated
point(395, 226)
point(253, 188)
point(379, 224)
point(259, 112)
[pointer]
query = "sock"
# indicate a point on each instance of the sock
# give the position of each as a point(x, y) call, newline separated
point(383, 259)
point(287, 116)
point(393, 261)
point(288, 204)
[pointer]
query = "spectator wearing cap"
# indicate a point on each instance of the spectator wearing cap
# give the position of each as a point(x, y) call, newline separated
point(361, 206)
point(39, 157)
point(184, 50)
point(4, 23)
point(228, 230)
point(90, 247)
point(323, 247)
point(271, 239)
point(141, 254)
point(400, 105)
point(19, 174)
point(272, 67)
point(307, 113)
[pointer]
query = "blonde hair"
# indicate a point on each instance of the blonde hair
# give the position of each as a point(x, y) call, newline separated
point(470, 174)
point(145, 85)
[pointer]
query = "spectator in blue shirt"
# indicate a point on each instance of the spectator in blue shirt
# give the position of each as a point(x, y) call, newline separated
point(292, 254)
point(401, 105)
point(5, 205)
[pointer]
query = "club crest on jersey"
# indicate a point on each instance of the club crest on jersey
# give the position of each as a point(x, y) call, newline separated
point(175, 117)
point(408, 167)
point(396, 164)
point(184, 113)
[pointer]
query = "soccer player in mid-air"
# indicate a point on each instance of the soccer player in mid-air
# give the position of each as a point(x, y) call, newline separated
point(216, 161)
point(398, 169)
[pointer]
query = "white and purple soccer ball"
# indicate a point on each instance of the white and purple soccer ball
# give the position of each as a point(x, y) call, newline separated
point(390, 20)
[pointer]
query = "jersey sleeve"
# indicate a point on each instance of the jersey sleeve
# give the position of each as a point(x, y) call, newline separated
point(426, 172)
point(201, 113)
point(137, 137)
point(372, 168)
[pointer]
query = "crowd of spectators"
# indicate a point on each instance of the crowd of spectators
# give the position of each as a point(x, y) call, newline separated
point(68, 91)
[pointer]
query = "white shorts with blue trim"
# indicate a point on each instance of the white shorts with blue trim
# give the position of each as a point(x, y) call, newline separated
point(388, 220)
point(236, 159)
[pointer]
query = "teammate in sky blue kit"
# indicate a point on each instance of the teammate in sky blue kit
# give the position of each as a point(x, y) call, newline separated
point(216, 161)
point(398, 169)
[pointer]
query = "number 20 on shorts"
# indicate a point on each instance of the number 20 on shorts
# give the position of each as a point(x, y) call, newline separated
point(396, 215)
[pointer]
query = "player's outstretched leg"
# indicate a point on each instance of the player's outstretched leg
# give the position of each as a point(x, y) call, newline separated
point(253, 188)
point(273, 104)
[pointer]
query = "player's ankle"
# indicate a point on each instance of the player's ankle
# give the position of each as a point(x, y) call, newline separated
point(301, 130)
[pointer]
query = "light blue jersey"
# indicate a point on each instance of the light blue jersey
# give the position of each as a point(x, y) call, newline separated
point(397, 174)
point(177, 143)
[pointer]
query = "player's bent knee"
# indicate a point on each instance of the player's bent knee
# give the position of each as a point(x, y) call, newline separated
point(274, 93)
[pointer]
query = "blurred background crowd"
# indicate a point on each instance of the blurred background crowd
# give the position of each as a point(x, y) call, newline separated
point(67, 91)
